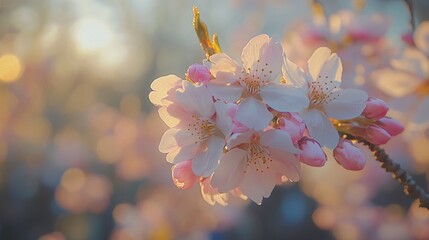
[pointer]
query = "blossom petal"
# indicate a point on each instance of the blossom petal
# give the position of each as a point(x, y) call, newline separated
point(223, 68)
point(253, 114)
point(293, 74)
point(278, 139)
point(263, 53)
point(320, 128)
point(348, 104)
point(421, 37)
point(412, 61)
point(284, 98)
point(168, 141)
point(171, 114)
point(184, 153)
point(323, 63)
point(211, 195)
point(229, 93)
point(161, 86)
point(286, 164)
point(230, 171)
point(252, 51)
point(196, 99)
point(240, 138)
point(223, 120)
point(257, 185)
point(396, 83)
point(206, 162)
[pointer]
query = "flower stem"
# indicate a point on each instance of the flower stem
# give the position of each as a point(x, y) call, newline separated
point(411, 189)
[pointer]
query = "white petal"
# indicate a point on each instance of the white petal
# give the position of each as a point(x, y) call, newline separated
point(223, 68)
point(257, 185)
point(262, 56)
point(279, 139)
point(324, 64)
point(240, 138)
point(348, 104)
point(168, 141)
point(223, 120)
point(185, 138)
point(170, 115)
point(211, 195)
point(320, 128)
point(229, 93)
point(396, 83)
point(230, 171)
point(161, 86)
point(252, 51)
point(206, 162)
point(184, 153)
point(284, 98)
point(196, 100)
point(421, 37)
point(253, 114)
point(286, 163)
point(293, 74)
point(412, 61)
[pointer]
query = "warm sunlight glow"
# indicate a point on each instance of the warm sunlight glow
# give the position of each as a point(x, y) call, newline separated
point(91, 34)
point(73, 179)
point(10, 68)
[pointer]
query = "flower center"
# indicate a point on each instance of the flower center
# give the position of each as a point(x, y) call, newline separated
point(254, 78)
point(201, 128)
point(257, 157)
point(322, 92)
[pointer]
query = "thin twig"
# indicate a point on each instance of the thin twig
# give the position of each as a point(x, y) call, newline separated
point(407, 182)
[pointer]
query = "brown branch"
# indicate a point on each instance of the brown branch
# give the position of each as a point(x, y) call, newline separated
point(411, 189)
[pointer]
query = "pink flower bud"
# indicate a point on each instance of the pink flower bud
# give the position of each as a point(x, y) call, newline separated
point(376, 135)
point(349, 156)
point(375, 108)
point(364, 36)
point(293, 124)
point(408, 39)
point(198, 73)
point(182, 175)
point(392, 126)
point(312, 153)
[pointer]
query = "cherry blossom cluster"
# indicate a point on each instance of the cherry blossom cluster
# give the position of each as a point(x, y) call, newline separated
point(243, 127)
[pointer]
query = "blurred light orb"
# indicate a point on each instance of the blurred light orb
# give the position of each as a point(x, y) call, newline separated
point(73, 179)
point(10, 68)
point(91, 34)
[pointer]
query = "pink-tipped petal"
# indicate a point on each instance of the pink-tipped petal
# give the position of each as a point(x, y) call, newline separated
point(377, 135)
point(182, 175)
point(312, 153)
point(349, 156)
point(198, 73)
point(375, 108)
point(294, 125)
point(392, 126)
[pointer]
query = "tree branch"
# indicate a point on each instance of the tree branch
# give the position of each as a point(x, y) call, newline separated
point(407, 182)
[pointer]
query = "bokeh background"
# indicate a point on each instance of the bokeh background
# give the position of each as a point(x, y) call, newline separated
point(79, 138)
